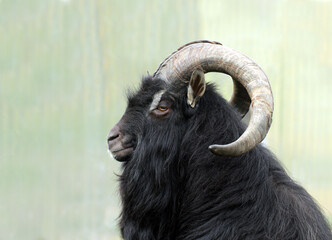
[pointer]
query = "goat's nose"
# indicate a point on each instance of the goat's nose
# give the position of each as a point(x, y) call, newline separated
point(113, 134)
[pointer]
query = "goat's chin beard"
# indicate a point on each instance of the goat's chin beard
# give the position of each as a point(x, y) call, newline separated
point(123, 155)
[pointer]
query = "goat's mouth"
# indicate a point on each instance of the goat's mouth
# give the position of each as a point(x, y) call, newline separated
point(123, 154)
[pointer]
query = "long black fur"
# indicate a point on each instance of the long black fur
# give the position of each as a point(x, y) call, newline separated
point(173, 187)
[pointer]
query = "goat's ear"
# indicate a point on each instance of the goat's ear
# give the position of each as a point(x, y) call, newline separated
point(196, 87)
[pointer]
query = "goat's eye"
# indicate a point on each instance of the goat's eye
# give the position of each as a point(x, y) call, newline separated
point(162, 108)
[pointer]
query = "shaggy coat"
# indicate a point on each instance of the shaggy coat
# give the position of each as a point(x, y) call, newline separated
point(173, 188)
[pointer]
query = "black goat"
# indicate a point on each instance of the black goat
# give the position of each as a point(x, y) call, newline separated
point(173, 187)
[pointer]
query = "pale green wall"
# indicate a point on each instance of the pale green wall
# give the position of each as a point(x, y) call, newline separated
point(64, 69)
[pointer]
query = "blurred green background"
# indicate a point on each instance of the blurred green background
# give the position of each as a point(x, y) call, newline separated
point(65, 66)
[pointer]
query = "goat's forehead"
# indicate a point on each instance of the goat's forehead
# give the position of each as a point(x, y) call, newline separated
point(152, 91)
point(145, 97)
point(156, 99)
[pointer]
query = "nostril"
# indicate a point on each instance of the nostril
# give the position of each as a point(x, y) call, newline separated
point(112, 137)
point(114, 133)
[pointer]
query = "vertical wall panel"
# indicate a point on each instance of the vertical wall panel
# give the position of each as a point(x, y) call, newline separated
point(291, 41)
point(65, 65)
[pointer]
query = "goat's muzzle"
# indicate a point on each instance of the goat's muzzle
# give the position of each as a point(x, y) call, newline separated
point(119, 145)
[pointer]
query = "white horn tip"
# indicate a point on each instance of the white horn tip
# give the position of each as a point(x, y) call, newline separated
point(225, 150)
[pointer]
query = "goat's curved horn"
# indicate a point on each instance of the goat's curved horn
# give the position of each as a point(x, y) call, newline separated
point(251, 87)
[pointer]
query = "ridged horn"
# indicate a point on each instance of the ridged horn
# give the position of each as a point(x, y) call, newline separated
point(251, 87)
